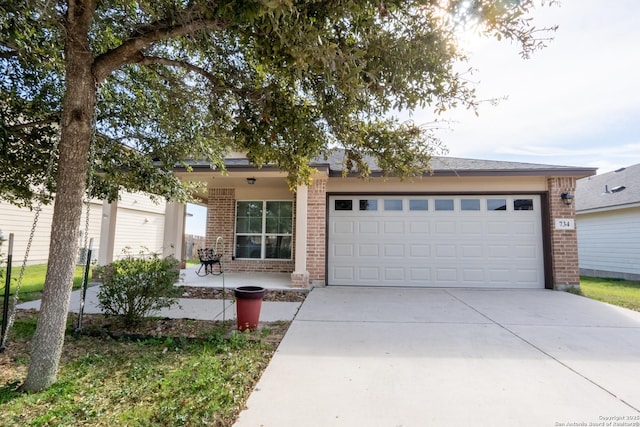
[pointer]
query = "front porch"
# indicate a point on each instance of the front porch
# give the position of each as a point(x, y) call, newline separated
point(188, 277)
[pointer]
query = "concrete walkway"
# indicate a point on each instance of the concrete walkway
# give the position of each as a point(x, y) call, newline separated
point(187, 308)
point(433, 357)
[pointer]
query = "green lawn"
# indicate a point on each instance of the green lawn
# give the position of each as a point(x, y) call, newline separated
point(624, 293)
point(160, 381)
point(32, 281)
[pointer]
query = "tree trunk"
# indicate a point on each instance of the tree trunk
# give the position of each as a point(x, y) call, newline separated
point(76, 132)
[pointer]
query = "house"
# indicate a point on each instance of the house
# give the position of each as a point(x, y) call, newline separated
point(469, 223)
point(134, 221)
point(608, 220)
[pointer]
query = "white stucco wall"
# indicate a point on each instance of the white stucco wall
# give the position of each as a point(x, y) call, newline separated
point(609, 242)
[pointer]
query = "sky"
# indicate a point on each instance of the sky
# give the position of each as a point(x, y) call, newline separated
point(574, 103)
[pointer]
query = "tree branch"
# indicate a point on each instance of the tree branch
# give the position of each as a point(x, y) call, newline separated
point(6, 54)
point(217, 82)
point(51, 120)
point(130, 50)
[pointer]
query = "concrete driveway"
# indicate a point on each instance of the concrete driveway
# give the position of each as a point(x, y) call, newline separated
point(452, 357)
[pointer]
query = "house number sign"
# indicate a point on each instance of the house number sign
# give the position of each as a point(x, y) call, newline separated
point(565, 224)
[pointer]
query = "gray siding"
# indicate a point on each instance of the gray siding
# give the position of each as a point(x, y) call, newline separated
point(609, 242)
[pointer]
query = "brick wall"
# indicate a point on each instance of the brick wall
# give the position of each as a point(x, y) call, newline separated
point(564, 243)
point(221, 211)
point(316, 230)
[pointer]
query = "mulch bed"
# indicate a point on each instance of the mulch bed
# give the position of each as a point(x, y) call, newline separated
point(281, 295)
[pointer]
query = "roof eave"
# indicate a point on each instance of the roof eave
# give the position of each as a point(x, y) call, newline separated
point(578, 173)
point(609, 208)
point(238, 168)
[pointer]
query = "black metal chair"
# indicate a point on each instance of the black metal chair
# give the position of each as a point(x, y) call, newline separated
point(209, 258)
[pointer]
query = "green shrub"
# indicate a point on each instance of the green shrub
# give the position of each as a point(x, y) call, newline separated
point(135, 287)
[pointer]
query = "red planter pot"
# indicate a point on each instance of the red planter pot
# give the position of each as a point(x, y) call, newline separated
point(248, 304)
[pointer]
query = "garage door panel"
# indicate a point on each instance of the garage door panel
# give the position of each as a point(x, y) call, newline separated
point(446, 275)
point(473, 275)
point(475, 227)
point(419, 251)
point(500, 275)
point(525, 252)
point(495, 252)
point(472, 251)
point(343, 227)
point(394, 250)
point(524, 228)
point(369, 250)
point(393, 227)
point(422, 275)
point(456, 248)
point(343, 250)
point(497, 228)
point(368, 227)
point(343, 273)
point(370, 273)
point(445, 227)
point(394, 274)
point(419, 226)
point(527, 276)
point(445, 251)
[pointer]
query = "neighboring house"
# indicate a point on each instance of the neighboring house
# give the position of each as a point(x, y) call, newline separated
point(471, 223)
point(608, 218)
point(134, 221)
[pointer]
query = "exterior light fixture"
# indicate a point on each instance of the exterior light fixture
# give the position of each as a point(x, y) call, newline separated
point(251, 181)
point(567, 198)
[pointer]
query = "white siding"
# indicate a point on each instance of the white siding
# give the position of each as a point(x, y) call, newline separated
point(610, 241)
point(140, 225)
point(140, 222)
point(19, 221)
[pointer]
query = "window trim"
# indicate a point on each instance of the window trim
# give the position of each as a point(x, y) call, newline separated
point(263, 234)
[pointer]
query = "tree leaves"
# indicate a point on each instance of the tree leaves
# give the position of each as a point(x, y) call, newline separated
point(282, 80)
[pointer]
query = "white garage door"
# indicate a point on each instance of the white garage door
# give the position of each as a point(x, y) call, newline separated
point(444, 241)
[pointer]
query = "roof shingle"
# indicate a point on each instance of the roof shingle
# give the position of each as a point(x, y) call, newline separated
point(461, 166)
point(595, 192)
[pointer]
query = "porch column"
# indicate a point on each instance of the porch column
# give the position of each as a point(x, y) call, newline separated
point(174, 218)
point(107, 232)
point(300, 275)
point(564, 241)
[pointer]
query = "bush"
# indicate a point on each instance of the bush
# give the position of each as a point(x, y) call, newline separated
point(135, 287)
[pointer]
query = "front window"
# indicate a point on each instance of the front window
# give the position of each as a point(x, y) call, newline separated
point(264, 229)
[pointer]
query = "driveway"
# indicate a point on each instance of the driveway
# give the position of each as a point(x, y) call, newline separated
point(451, 357)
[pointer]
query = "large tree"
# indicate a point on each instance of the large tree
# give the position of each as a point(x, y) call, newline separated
point(131, 88)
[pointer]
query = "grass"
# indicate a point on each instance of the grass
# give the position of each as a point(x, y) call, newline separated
point(623, 293)
point(150, 382)
point(33, 281)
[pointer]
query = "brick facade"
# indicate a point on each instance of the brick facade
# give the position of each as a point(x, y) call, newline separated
point(221, 211)
point(317, 230)
point(564, 243)
point(221, 222)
